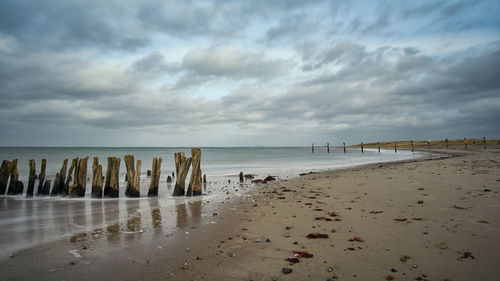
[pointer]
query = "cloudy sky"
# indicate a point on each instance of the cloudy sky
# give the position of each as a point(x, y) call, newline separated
point(244, 73)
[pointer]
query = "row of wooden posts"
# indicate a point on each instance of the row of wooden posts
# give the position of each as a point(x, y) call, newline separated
point(396, 146)
point(78, 174)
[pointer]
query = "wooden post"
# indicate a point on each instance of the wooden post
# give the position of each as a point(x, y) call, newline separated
point(313, 148)
point(465, 143)
point(58, 187)
point(344, 147)
point(53, 192)
point(412, 150)
point(15, 185)
point(395, 146)
point(46, 187)
point(72, 167)
point(204, 178)
point(4, 175)
point(328, 147)
point(133, 176)
point(112, 183)
point(154, 185)
point(194, 187)
point(484, 142)
point(31, 179)
point(429, 145)
point(80, 181)
point(182, 163)
point(241, 176)
point(96, 179)
point(41, 178)
point(446, 143)
point(378, 144)
point(362, 147)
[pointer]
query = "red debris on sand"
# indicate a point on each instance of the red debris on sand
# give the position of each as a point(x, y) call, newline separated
point(302, 254)
point(401, 220)
point(322, 218)
point(332, 214)
point(317, 235)
point(356, 238)
point(376, 212)
point(293, 260)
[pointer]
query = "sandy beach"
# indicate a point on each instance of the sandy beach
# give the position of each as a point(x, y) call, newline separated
point(412, 220)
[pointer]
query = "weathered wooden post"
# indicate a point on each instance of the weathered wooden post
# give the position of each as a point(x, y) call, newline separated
point(96, 179)
point(312, 148)
point(154, 185)
point(132, 190)
point(31, 179)
point(446, 143)
point(41, 178)
point(328, 147)
point(378, 144)
point(112, 183)
point(77, 189)
point(484, 142)
point(204, 178)
point(194, 187)
point(182, 165)
point(15, 186)
point(4, 175)
point(241, 176)
point(362, 147)
point(59, 181)
point(72, 167)
point(465, 143)
point(395, 147)
point(429, 145)
point(344, 147)
point(412, 150)
point(46, 187)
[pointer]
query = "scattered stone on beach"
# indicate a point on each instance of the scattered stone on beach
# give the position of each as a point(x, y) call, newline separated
point(257, 241)
point(458, 207)
point(420, 202)
point(394, 270)
point(322, 218)
point(317, 235)
point(376, 212)
point(466, 255)
point(288, 227)
point(404, 258)
point(329, 269)
point(268, 240)
point(286, 270)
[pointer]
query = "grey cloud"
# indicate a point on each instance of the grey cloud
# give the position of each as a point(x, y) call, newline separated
point(231, 62)
point(154, 64)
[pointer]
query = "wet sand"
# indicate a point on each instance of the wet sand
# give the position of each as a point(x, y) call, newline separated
point(433, 220)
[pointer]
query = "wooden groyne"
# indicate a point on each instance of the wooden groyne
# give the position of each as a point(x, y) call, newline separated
point(72, 182)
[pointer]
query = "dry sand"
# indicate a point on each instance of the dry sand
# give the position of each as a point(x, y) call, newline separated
point(424, 220)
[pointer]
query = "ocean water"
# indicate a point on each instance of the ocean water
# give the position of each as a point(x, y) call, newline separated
point(27, 222)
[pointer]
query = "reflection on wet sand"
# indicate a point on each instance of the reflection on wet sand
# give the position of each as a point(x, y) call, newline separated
point(27, 223)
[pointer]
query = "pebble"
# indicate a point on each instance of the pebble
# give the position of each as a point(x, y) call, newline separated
point(257, 241)
point(286, 270)
point(52, 270)
point(394, 270)
point(295, 243)
point(287, 235)
point(11, 255)
point(288, 227)
point(231, 255)
point(268, 240)
point(330, 269)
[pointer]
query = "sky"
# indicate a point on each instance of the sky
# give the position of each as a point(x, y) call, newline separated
point(246, 73)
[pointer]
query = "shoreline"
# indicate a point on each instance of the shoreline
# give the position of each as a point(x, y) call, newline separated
point(224, 250)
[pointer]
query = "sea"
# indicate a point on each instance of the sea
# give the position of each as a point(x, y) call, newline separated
point(30, 222)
